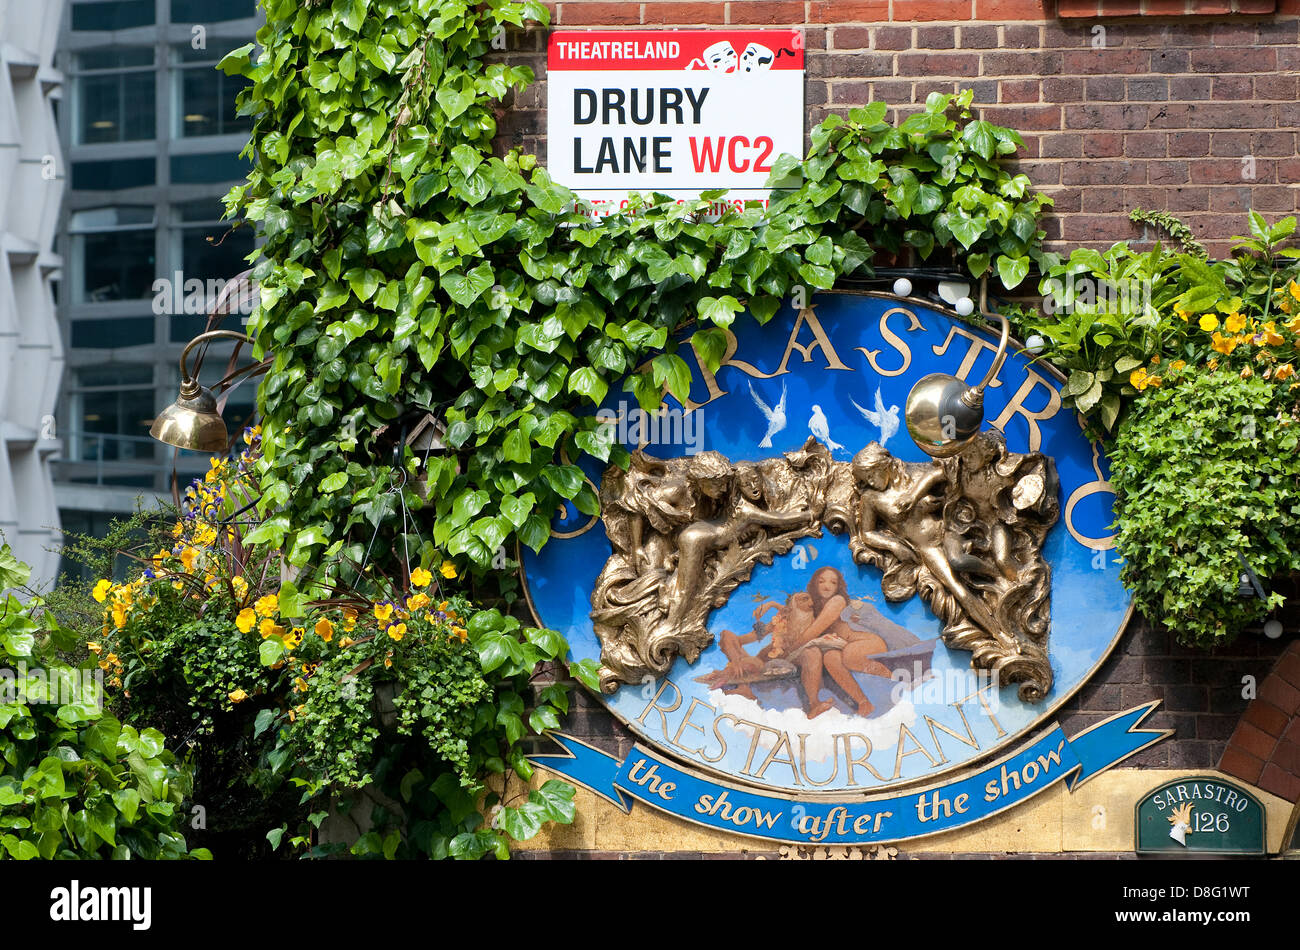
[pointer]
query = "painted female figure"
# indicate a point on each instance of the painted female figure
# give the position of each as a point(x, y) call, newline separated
point(832, 645)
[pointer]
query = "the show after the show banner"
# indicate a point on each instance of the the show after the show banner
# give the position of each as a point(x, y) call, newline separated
point(818, 631)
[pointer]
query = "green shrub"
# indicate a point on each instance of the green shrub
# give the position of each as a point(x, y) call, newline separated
point(74, 781)
point(1206, 471)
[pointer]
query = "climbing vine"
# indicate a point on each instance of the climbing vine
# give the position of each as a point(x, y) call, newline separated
point(408, 269)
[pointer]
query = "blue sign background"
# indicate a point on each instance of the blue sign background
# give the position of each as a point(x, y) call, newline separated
point(1089, 605)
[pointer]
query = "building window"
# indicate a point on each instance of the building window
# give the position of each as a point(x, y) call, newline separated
point(113, 95)
point(212, 11)
point(114, 175)
point(111, 333)
point(207, 248)
point(204, 96)
point(208, 169)
point(113, 253)
point(114, 15)
point(110, 410)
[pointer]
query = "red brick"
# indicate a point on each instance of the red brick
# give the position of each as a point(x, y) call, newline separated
point(1068, 145)
point(1276, 87)
point(1230, 200)
point(1105, 62)
point(936, 37)
point(1237, 763)
point(848, 11)
point(1145, 145)
point(765, 12)
point(1103, 145)
point(1188, 199)
point(1164, 7)
point(1234, 33)
point(1266, 718)
point(1253, 741)
point(1274, 199)
point(1062, 89)
point(683, 14)
point(1280, 782)
point(1103, 200)
point(1287, 757)
point(1232, 87)
point(1046, 118)
point(1189, 144)
point(1120, 7)
point(1255, 7)
point(1217, 172)
point(892, 37)
point(851, 37)
point(1019, 90)
point(1213, 7)
point(598, 14)
point(1292, 733)
point(1288, 667)
point(1076, 8)
point(1234, 60)
point(1167, 173)
point(938, 64)
point(1282, 695)
point(1002, 10)
point(910, 11)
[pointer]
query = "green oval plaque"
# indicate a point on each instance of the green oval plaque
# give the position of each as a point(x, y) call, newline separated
point(1199, 815)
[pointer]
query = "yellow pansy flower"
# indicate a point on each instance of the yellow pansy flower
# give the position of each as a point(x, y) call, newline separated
point(447, 569)
point(349, 619)
point(324, 629)
point(247, 617)
point(268, 606)
point(1269, 335)
point(1209, 322)
point(1235, 323)
point(416, 601)
point(420, 577)
point(1295, 289)
point(383, 612)
point(240, 587)
point(1285, 371)
point(102, 590)
point(269, 628)
point(188, 554)
point(94, 647)
point(397, 631)
point(238, 696)
point(1138, 378)
point(1223, 344)
point(119, 617)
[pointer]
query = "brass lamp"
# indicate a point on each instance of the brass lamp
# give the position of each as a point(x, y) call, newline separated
point(192, 421)
point(943, 413)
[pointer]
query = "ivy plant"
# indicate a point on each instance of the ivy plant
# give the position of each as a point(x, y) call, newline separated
point(408, 268)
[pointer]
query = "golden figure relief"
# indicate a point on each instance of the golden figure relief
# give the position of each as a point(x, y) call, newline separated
point(964, 533)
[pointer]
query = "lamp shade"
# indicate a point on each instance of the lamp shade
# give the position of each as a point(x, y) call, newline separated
point(192, 421)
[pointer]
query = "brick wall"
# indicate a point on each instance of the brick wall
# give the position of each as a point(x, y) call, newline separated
point(1164, 112)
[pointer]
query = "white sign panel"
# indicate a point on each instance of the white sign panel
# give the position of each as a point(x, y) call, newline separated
point(676, 111)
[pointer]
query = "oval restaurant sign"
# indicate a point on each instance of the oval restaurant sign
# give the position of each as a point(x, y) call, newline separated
point(808, 622)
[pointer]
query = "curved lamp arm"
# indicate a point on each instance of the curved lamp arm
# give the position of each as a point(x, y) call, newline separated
point(189, 385)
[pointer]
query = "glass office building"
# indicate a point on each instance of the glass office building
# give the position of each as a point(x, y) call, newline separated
point(152, 139)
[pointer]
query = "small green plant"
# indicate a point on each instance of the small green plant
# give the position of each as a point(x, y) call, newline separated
point(1207, 475)
point(74, 781)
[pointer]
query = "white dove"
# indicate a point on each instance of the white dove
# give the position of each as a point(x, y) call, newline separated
point(775, 417)
point(818, 426)
point(886, 420)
